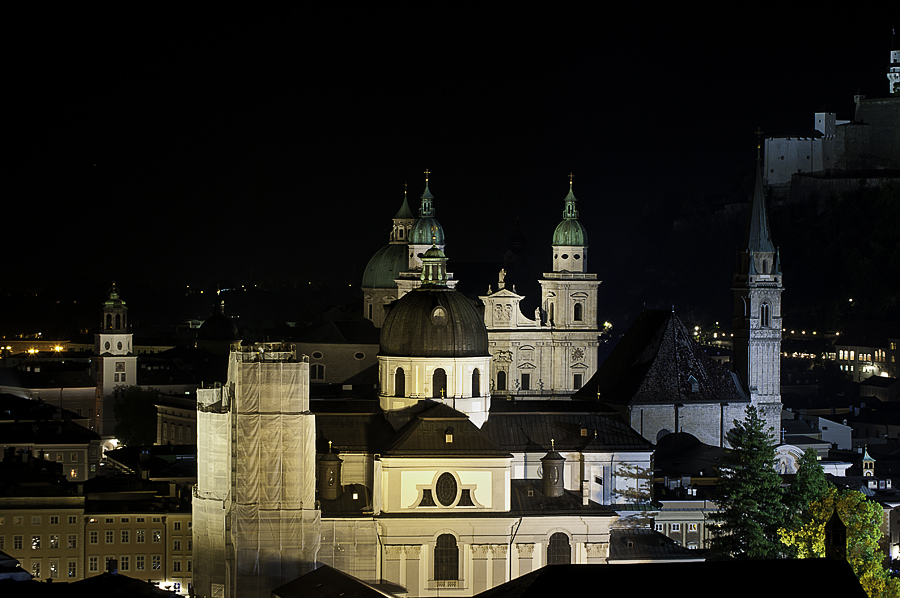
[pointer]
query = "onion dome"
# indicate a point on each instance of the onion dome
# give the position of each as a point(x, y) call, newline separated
point(385, 267)
point(570, 231)
point(434, 322)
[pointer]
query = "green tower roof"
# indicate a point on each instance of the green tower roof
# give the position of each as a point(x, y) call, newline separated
point(570, 231)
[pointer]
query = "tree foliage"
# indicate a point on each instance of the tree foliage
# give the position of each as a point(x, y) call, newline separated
point(862, 518)
point(135, 411)
point(751, 506)
point(809, 485)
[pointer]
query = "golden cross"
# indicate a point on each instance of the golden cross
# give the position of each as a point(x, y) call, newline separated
point(442, 393)
point(571, 176)
point(427, 172)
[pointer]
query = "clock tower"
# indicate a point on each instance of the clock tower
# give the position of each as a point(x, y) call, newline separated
point(115, 365)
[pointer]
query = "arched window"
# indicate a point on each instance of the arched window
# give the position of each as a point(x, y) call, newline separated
point(118, 321)
point(446, 558)
point(399, 383)
point(577, 315)
point(317, 371)
point(551, 313)
point(765, 267)
point(764, 315)
point(109, 321)
point(558, 550)
point(476, 383)
point(501, 380)
point(439, 382)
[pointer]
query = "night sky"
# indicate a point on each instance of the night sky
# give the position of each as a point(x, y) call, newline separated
point(189, 153)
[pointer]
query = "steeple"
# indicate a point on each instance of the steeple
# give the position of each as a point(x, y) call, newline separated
point(570, 238)
point(427, 231)
point(404, 220)
point(434, 268)
point(426, 208)
point(759, 239)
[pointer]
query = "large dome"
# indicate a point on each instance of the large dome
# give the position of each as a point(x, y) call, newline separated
point(385, 267)
point(434, 323)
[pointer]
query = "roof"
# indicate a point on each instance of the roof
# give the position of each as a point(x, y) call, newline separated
point(426, 436)
point(534, 423)
point(646, 544)
point(658, 362)
point(328, 582)
point(527, 499)
point(385, 266)
point(758, 236)
point(570, 231)
point(737, 579)
point(434, 322)
point(341, 332)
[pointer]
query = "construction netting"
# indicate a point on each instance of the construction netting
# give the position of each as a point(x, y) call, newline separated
point(351, 546)
point(254, 505)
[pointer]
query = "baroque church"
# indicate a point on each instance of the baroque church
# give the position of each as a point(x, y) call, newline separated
point(470, 469)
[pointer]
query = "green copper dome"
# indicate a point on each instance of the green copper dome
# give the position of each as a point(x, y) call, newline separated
point(570, 231)
point(385, 267)
point(427, 231)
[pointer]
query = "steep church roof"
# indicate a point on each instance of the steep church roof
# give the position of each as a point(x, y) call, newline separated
point(758, 236)
point(658, 362)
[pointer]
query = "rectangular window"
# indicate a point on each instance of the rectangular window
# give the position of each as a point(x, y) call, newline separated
point(93, 564)
point(54, 541)
point(676, 527)
point(176, 565)
point(126, 536)
point(140, 520)
point(176, 545)
point(189, 565)
point(140, 534)
point(692, 527)
point(72, 541)
point(36, 520)
point(17, 542)
point(190, 545)
point(526, 381)
point(139, 563)
point(17, 520)
point(73, 568)
point(157, 519)
point(94, 537)
point(659, 527)
point(177, 526)
point(36, 569)
point(110, 520)
point(124, 563)
point(73, 457)
point(58, 457)
point(54, 569)
point(2, 542)
point(126, 520)
point(54, 520)
point(157, 536)
point(110, 537)
point(36, 542)
point(157, 561)
point(577, 382)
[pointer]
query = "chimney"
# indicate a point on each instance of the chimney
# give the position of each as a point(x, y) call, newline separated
point(552, 480)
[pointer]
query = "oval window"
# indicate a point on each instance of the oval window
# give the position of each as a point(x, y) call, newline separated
point(565, 256)
point(446, 489)
point(107, 345)
point(317, 355)
point(119, 345)
point(359, 355)
point(577, 257)
point(439, 316)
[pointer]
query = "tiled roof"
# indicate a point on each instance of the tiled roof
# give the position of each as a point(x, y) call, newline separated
point(655, 362)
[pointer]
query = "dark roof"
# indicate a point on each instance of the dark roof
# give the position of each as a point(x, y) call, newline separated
point(353, 432)
point(411, 330)
point(327, 582)
point(527, 499)
point(644, 544)
point(682, 454)
point(347, 506)
point(535, 423)
point(880, 381)
point(736, 579)
point(425, 436)
point(340, 332)
point(654, 363)
point(51, 375)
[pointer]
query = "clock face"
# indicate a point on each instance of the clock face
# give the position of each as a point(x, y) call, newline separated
point(577, 354)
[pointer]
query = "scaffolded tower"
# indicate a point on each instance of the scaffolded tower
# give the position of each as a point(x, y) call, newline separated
point(255, 522)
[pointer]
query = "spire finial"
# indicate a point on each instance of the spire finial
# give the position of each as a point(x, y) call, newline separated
point(571, 176)
point(405, 184)
point(552, 445)
point(427, 172)
point(329, 446)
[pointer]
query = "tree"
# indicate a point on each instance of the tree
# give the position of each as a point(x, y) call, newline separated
point(135, 411)
point(809, 485)
point(751, 507)
point(862, 518)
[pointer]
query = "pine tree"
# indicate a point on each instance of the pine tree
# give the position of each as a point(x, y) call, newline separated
point(809, 485)
point(751, 507)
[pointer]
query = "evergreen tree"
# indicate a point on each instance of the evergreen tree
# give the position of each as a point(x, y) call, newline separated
point(751, 506)
point(810, 485)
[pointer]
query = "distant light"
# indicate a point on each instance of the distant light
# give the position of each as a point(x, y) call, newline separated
point(814, 331)
point(792, 332)
point(803, 332)
point(851, 301)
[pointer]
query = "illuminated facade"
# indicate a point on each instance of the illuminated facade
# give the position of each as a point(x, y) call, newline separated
point(115, 362)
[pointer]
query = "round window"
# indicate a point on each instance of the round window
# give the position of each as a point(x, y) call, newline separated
point(439, 316)
point(565, 256)
point(446, 489)
point(577, 257)
point(317, 355)
point(359, 355)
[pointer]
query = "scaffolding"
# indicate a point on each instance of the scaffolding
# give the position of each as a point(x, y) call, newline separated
point(255, 522)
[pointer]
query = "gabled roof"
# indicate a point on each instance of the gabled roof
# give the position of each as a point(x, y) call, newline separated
point(658, 362)
point(426, 436)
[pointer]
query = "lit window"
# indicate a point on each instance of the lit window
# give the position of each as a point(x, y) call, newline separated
point(73, 568)
point(72, 541)
point(35, 542)
point(54, 541)
point(692, 527)
point(157, 561)
point(157, 535)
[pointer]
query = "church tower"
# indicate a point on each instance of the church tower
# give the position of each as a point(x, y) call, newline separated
point(757, 313)
point(115, 363)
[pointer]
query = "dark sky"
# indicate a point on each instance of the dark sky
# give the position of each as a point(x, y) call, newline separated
point(189, 152)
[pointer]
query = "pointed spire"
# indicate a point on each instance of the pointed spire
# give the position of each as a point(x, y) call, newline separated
point(404, 212)
point(426, 209)
point(569, 212)
point(758, 236)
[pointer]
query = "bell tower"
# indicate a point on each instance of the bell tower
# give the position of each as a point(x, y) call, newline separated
point(757, 313)
point(115, 364)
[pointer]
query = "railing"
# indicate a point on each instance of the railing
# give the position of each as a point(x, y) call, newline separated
point(439, 584)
